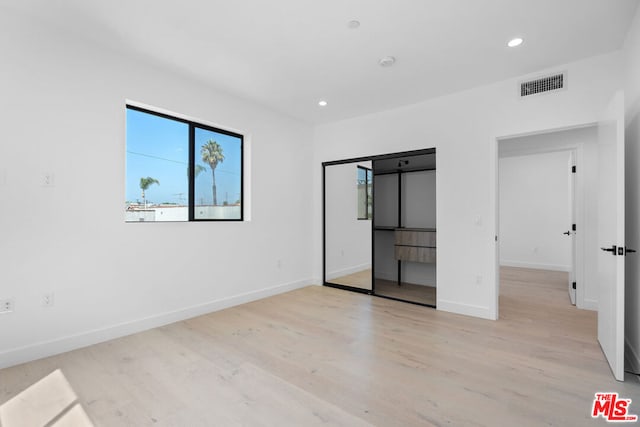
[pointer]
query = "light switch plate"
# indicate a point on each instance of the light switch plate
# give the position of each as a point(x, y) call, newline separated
point(48, 179)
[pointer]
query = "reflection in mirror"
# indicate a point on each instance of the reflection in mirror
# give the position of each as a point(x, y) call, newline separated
point(365, 199)
point(348, 202)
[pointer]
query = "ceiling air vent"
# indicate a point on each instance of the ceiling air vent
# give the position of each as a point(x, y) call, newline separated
point(543, 84)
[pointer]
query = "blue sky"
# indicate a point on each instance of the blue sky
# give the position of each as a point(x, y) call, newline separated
point(159, 148)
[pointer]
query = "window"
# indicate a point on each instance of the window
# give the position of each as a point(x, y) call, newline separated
point(364, 180)
point(179, 170)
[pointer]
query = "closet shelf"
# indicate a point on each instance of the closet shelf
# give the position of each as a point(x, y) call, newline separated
point(415, 244)
point(394, 228)
point(385, 227)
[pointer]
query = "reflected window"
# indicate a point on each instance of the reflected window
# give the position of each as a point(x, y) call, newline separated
point(365, 199)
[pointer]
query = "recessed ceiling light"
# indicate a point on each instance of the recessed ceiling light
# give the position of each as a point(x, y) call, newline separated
point(515, 42)
point(322, 103)
point(353, 24)
point(387, 61)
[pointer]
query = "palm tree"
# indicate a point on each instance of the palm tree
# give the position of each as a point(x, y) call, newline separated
point(198, 170)
point(145, 183)
point(212, 155)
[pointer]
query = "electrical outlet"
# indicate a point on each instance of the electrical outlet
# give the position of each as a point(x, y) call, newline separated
point(6, 305)
point(47, 300)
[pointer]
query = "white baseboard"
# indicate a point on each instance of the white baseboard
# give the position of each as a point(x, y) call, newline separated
point(534, 265)
point(631, 357)
point(348, 270)
point(465, 309)
point(43, 349)
point(589, 304)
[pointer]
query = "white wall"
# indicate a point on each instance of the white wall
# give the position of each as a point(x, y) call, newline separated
point(463, 127)
point(62, 104)
point(534, 211)
point(385, 196)
point(348, 239)
point(419, 199)
point(181, 213)
point(632, 140)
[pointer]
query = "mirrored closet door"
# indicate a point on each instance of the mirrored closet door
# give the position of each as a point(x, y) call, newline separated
point(348, 213)
point(380, 226)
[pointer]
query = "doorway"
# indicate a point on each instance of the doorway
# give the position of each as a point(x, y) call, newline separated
point(545, 247)
point(537, 214)
point(601, 247)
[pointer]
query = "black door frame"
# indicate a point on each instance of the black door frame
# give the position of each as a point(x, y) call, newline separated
point(373, 229)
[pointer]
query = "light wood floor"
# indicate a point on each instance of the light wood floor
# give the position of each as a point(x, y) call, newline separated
point(325, 356)
point(408, 291)
point(360, 279)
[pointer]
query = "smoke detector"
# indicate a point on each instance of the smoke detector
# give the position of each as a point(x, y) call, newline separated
point(387, 61)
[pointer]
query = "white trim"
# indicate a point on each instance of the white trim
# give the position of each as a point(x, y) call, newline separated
point(589, 304)
point(546, 131)
point(42, 349)
point(465, 309)
point(632, 357)
point(536, 266)
point(494, 199)
point(347, 271)
point(247, 143)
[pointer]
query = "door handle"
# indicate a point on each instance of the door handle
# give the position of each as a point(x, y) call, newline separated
point(568, 233)
point(629, 251)
point(611, 249)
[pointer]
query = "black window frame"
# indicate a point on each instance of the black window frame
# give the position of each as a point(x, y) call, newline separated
point(368, 177)
point(192, 160)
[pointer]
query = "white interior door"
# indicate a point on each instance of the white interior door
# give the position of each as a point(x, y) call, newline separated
point(611, 235)
point(571, 219)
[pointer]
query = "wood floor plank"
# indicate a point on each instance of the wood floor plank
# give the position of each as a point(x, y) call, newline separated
point(407, 291)
point(325, 356)
point(360, 279)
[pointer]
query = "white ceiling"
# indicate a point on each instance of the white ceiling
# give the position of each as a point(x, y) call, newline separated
point(288, 54)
